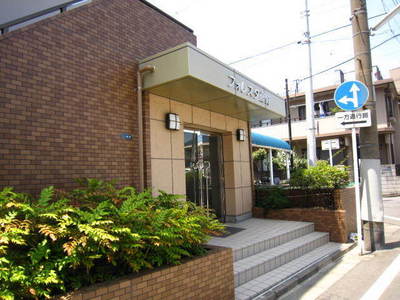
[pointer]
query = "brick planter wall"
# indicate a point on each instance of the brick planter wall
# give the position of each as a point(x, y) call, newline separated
point(339, 223)
point(208, 277)
point(347, 200)
point(332, 221)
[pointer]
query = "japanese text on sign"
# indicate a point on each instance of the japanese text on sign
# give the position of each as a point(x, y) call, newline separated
point(356, 116)
point(353, 119)
point(249, 90)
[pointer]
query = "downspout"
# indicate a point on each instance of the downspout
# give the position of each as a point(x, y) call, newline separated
point(140, 122)
point(253, 190)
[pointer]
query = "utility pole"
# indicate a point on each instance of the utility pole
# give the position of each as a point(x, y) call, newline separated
point(310, 123)
point(289, 120)
point(371, 189)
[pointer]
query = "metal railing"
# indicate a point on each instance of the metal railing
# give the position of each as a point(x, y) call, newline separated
point(5, 27)
point(302, 198)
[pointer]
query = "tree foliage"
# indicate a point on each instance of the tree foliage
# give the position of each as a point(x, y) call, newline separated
point(63, 241)
point(260, 154)
point(298, 161)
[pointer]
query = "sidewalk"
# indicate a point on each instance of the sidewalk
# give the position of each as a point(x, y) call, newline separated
point(353, 275)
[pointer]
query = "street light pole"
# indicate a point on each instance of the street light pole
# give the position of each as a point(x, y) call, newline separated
point(371, 188)
point(310, 123)
point(289, 120)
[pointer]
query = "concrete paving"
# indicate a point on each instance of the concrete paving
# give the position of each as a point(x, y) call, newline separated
point(393, 291)
point(353, 275)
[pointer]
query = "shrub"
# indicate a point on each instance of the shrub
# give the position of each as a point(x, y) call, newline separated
point(322, 175)
point(275, 198)
point(63, 241)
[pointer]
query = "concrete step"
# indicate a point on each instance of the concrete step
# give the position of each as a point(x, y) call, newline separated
point(259, 235)
point(280, 238)
point(390, 181)
point(263, 262)
point(278, 281)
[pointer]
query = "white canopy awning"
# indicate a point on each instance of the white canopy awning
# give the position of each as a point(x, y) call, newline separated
point(187, 74)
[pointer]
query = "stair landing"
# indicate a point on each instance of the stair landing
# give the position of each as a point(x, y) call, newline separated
point(270, 256)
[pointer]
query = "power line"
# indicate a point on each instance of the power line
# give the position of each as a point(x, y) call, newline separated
point(337, 28)
point(335, 40)
point(387, 40)
point(330, 68)
point(262, 53)
point(296, 42)
point(350, 59)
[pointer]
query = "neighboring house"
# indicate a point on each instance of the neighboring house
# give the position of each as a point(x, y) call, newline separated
point(388, 119)
point(70, 107)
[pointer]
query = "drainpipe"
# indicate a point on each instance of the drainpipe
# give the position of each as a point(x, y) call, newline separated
point(250, 145)
point(140, 122)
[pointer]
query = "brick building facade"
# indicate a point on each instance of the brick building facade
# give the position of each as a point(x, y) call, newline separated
point(67, 93)
point(69, 106)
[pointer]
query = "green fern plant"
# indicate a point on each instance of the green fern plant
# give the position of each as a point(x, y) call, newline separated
point(65, 240)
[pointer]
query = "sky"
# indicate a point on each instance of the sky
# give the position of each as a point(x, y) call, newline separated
point(232, 29)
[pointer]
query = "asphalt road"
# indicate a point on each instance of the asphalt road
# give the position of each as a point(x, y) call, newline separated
point(392, 210)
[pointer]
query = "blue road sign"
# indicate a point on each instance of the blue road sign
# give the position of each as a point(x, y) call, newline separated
point(351, 95)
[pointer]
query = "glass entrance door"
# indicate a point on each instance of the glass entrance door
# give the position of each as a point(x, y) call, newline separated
point(203, 170)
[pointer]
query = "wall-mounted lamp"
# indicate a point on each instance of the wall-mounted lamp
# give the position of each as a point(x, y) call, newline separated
point(173, 122)
point(240, 135)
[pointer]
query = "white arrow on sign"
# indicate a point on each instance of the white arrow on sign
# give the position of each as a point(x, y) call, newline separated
point(354, 123)
point(354, 89)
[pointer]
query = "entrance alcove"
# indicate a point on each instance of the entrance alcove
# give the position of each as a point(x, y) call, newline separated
point(170, 154)
point(213, 102)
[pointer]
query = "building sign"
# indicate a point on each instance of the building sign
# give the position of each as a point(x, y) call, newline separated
point(353, 119)
point(247, 89)
point(332, 144)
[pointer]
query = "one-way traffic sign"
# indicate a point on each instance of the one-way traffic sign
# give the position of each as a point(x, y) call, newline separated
point(353, 119)
point(351, 95)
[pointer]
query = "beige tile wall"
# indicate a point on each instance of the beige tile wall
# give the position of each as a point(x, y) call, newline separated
point(167, 152)
point(237, 171)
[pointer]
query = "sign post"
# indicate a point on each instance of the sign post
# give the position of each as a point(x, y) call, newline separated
point(360, 242)
point(330, 145)
point(350, 96)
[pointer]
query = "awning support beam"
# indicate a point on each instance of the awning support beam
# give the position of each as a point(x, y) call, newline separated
point(271, 168)
point(287, 165)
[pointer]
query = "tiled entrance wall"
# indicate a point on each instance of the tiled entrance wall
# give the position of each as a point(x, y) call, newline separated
point(167, 153)
point(237, 173)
